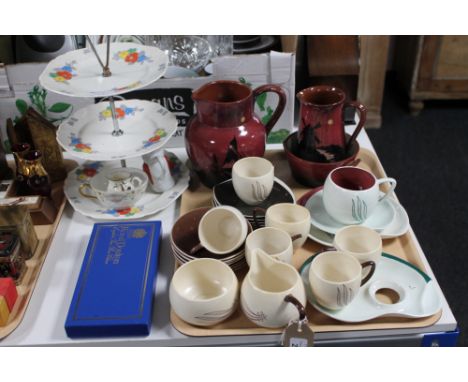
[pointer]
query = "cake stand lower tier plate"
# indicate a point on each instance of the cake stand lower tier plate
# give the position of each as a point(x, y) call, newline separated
point(150, 203)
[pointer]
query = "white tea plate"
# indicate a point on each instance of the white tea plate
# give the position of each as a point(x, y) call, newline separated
point(146, 126)
point(418, 294)
point(321, 237)
point(78, 73)
point(150, 203)
point(379, 220)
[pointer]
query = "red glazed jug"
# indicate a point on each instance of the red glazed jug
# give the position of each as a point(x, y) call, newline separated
point(321, 134)
point(225, 128)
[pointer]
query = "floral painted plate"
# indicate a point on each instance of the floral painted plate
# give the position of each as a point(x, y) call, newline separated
point(146, 126)
point(150, 203)
point(78, 73)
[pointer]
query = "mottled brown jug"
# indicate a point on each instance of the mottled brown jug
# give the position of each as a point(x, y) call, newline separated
point(225, 128)
point(321, 133)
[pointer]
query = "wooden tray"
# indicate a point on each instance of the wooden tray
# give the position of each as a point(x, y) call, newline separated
point(30, 274)
point(238, 324)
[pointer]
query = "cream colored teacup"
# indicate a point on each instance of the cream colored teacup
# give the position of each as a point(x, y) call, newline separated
point(351, 194)
point(222, 230)
point(252, 179)
point(361, 242)
point(335, 278)
point(272, 241)
point(265, 288)
point(204, 292)
point(292, 218)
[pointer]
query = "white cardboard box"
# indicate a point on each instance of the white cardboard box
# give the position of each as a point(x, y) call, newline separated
point(174, 94)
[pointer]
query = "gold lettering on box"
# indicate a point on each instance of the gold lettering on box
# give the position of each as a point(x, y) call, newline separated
point(138, 233)
point(116, 245)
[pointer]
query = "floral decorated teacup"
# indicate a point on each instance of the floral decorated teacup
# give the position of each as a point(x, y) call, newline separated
point(116, 188)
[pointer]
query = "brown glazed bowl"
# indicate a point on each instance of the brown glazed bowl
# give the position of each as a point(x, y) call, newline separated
point(313, 174)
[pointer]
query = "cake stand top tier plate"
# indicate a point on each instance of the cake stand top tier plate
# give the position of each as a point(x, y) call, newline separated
point(78, 73)
point(146, 126)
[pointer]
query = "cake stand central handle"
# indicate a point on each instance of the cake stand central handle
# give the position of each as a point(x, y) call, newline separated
point(106, 71)
point(105, 68)
point(117, 131)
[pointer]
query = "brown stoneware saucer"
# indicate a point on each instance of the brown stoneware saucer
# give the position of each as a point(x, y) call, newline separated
point(184, 237)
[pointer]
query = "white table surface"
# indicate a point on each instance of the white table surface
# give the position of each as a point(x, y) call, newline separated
point(43, 323)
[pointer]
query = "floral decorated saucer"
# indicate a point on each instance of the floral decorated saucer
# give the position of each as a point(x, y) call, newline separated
point(150, 203)
point(78, 73)
point(146, 126)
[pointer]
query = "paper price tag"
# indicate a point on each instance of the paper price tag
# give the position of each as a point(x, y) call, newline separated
point(298, 334)
point(297, 342)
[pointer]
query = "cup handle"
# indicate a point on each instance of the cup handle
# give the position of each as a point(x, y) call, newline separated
point(83, 187)
point(254, 213)
point(371, 272)
point(136, 182)
point(293, 300)
point(279, 108)
point(195, 249)
point(393, 184)
point(296, 236)
point(362, 111)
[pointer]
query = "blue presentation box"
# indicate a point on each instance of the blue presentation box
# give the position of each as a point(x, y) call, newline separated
point(114, 292)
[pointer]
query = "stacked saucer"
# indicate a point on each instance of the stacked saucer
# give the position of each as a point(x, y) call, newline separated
point(224, 194)
point(184, 237)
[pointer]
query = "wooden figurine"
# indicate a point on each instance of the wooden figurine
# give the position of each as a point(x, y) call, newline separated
point(41, 135)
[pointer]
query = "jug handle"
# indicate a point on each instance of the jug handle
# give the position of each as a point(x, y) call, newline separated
point(362, 111)
point(301, 309)
point(279, 108)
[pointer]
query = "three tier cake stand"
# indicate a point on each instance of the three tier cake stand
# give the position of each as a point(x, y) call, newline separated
point(113, 133)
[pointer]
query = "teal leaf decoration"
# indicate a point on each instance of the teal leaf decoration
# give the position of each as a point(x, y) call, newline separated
point(59, 107)
point(261, 101)
point(359, 210)
point(22, 106)
point(266, 118)
point(278, 136)
point(242, 80)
